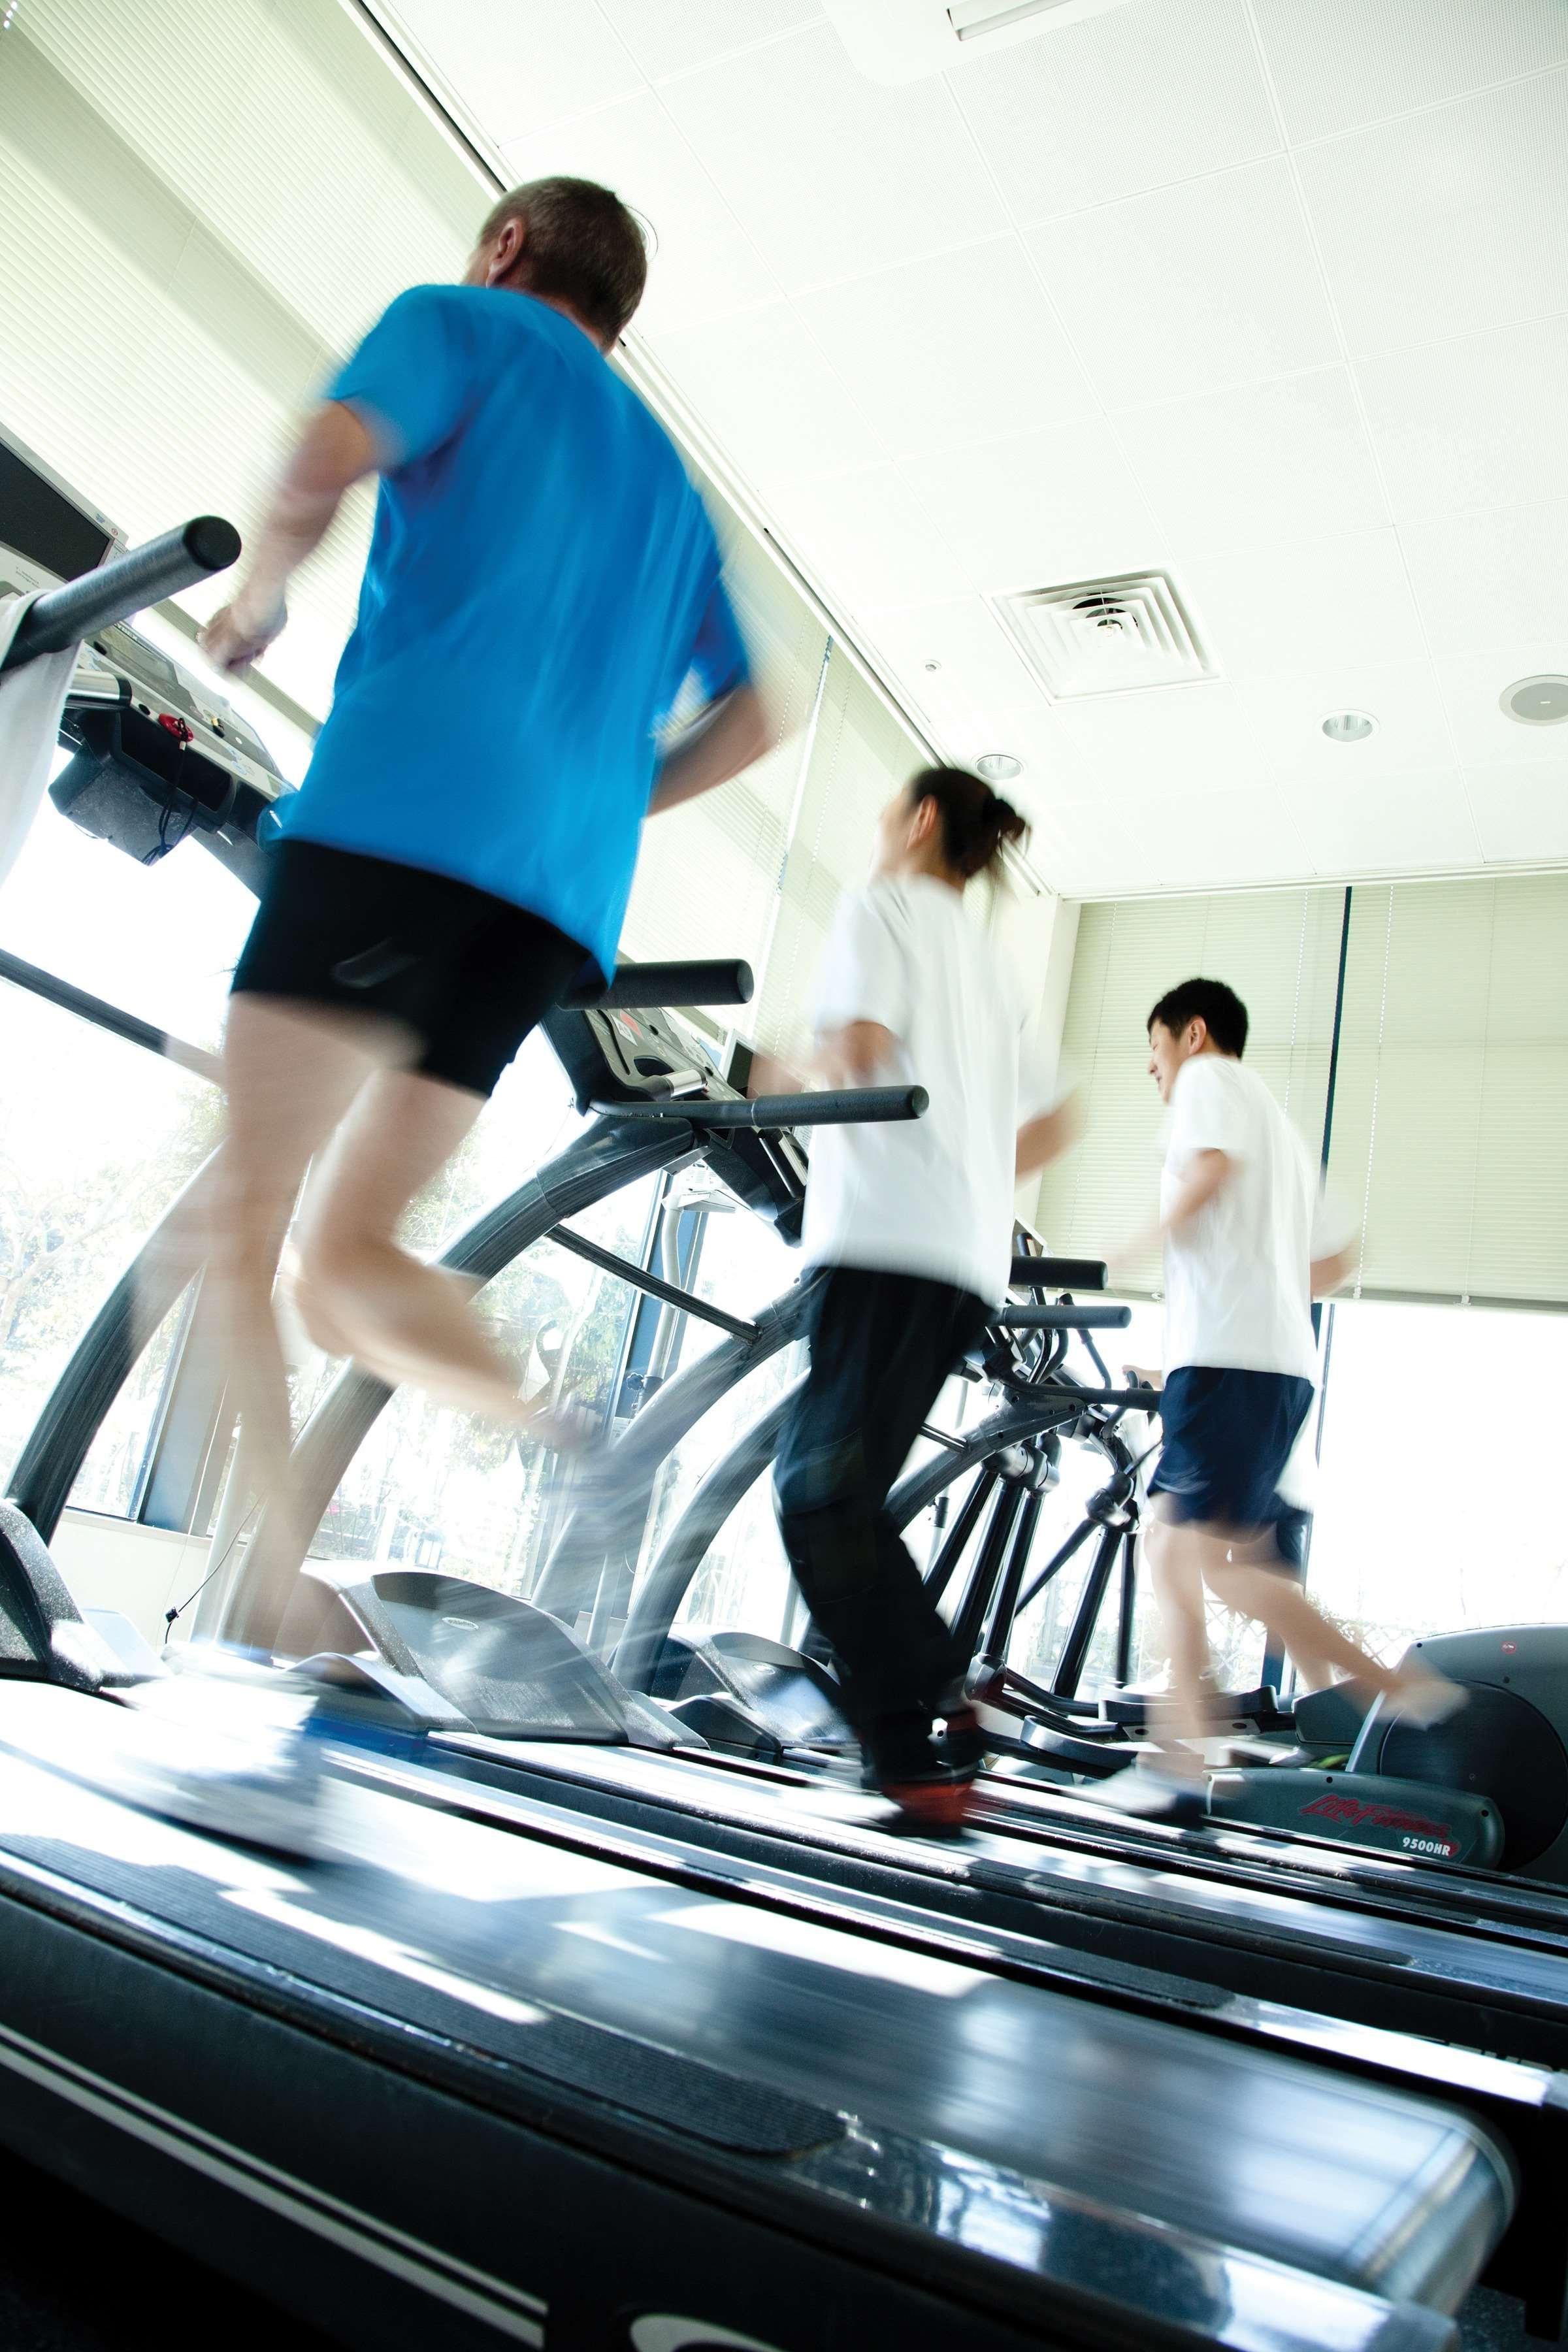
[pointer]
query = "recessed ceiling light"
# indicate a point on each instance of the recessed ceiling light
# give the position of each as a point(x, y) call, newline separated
point(1349, 726)
point(1536, 701)
point(999, 767)
point(933, 665)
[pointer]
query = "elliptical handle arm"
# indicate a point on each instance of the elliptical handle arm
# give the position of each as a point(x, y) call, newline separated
point(127, 584)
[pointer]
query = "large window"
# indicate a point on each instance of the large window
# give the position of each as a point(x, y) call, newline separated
point(96, 1139)
point(1440, 1503)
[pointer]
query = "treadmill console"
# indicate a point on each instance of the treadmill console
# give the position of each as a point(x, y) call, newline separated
point(625, 1057)
point(156, 756)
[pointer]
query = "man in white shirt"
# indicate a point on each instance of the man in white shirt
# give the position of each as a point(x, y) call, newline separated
point(1246, 1249)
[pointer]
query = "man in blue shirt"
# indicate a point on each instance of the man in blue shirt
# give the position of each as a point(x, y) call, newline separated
point(542, 579)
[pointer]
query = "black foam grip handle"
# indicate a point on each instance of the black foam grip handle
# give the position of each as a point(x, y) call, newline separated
point(648, 986)
point(1066, 1318)
point(855, 1106)
point(842, 1107)
point(1058, 1274)
point(125, 585)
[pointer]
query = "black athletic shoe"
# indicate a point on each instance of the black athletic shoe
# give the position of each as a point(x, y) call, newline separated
point(961, 1745)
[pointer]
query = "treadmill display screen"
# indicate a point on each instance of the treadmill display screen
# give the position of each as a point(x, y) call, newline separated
point(42, 524)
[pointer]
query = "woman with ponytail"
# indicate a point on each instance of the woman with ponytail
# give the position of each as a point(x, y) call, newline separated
point(911, 1228)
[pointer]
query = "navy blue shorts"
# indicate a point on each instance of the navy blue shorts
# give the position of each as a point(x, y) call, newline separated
point(1227, 1437)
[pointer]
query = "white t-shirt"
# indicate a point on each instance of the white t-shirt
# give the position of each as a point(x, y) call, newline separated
point(1238, 1275)
point(934, 1195)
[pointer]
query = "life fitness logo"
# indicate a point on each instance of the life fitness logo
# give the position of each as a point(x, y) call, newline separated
point(666, 2331)
point(1417, 1833)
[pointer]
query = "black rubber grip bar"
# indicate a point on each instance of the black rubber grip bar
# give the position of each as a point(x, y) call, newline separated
point(853, 1106)
point(127, 584)
point(1058, 1274)
point(647, 986)
point(1066, 1318)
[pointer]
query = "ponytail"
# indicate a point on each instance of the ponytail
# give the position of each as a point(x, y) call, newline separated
point(977, 824)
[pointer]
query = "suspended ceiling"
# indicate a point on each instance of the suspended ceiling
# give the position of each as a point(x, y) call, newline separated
point(1269, 294)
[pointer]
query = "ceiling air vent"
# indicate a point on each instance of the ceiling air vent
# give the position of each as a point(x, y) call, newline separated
point(1106, 636)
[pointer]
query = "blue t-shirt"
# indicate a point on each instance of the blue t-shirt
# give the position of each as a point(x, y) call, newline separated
point(542, 581)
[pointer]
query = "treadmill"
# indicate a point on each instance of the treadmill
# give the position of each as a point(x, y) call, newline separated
point(403, 2087)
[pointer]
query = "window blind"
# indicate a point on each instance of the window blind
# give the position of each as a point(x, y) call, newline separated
point(708, 874)
point(1278, 949)
point(858, 754)
point(201, 209)
point(1450, 1133)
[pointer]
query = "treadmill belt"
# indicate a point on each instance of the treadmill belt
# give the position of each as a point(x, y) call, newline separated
point(682, 2092)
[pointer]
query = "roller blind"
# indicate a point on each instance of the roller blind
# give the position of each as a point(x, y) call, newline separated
point(1450, 1132)
point(1279, 950)
point(200, 209)
point(708, 874)
point(858, 754)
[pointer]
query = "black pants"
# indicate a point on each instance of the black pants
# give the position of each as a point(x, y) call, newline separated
point(881, 1345)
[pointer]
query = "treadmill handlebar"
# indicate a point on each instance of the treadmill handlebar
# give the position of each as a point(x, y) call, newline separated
point(125, 585)
point(1058, 1274)
point(646, 987)
point(849, 1107)
point(1066, 1318)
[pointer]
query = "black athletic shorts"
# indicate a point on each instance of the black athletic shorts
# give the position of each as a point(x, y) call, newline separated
point(470, 974)
point(1227, 1437)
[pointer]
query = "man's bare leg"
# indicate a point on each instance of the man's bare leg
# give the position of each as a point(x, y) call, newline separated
point(358, 1292)
point(1178, 1553)
point(1246, 1584)
point(289, 1075)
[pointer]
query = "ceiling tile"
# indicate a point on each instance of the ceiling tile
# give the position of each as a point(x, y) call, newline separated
point(1084, 854)
point(866, 534)
point(1520, 813)
point(1335, 67)
point(1214, 838)
point(979, 667)
point(1258, 464)
point(1318, 604)
point(828, 172)
point(776, 407)
point(667, 36)
point(1041, 509)
point(1472, 685)
point(1477, 422)
point(1395, 824)
point(1087, 115)
point(1149, 751)
point(1288, 711)
point(519, 67)
point(705, 265)
point(957, 347)
point(1448, 221)
point(1191, 288)
point(1053, 775)
point(1493, 578)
